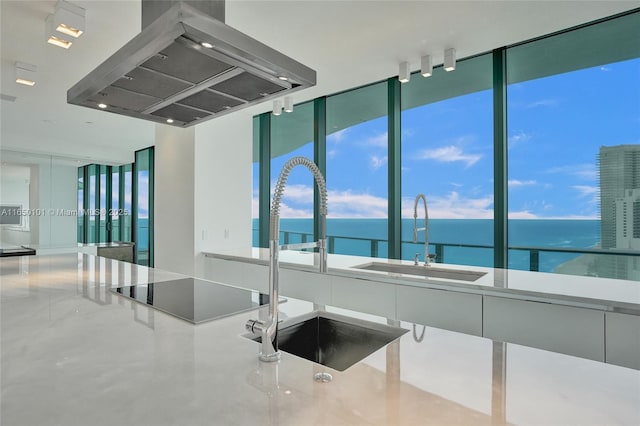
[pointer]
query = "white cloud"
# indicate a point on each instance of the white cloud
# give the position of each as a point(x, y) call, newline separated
point(519, 137)
point(377, 162)
point(542, 103)
point(290, 212)
point(525, 214)
point(297, 193)
point(584, 171)
point(349, 204)
point(453, 206)
point(297, 202)
point(332, 153)
point(586, 190)
point(605, 69)
point(513, 183)
point(379, 141)
point(338, 136)
point(449, 154)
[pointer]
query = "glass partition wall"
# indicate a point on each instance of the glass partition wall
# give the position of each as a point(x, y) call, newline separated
point(529, 157)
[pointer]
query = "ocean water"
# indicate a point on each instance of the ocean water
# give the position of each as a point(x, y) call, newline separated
point(354, 236)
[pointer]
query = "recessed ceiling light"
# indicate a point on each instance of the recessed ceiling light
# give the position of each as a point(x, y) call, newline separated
point(283, 78)
point(25, 82)
point(207, 45)
point(25, 73)
point(169, 120)
point(103, 106)
point(56, 41)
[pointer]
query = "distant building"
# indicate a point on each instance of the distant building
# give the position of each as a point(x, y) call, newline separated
point(620, 209)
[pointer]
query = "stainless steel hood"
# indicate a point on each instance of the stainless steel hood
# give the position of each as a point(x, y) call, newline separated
point(167, 73)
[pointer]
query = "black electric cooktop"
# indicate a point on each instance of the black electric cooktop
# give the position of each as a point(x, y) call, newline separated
point(194, 300)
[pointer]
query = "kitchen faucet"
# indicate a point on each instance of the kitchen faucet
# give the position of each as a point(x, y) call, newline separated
point(268, 328)
point(427, 257)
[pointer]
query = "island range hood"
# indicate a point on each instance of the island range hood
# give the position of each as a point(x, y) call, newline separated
point(186, 67)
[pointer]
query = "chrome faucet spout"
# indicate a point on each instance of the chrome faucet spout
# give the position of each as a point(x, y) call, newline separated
point(426, 226)
point(269, 328)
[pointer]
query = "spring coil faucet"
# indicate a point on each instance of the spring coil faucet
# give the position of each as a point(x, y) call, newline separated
point(268, 329)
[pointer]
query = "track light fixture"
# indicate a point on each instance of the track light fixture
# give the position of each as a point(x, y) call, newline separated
point(449, 60)
point(426, 68)
point(404, 75)
point(277, 107)
point(288, 104)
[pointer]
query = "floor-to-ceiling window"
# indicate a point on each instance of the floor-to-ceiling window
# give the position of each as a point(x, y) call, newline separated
point(143, 206)
point(292, 135)
point(545, 178)
point(574, 150)
point(81, 204)
point(447, 155)
point(357, 171)
point(111, 203)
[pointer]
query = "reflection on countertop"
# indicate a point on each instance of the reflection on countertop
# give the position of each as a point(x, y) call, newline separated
point(73, 354)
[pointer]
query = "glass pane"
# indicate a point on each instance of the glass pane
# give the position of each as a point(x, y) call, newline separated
point(574, 151)
point(447, 155)
point(292, 135)
point(115, 204)
point(103, 204)
point(357, 171)
point(81, 204)
point(126, 190)
point(255, 212)
point(92, 236)
point(144, 207)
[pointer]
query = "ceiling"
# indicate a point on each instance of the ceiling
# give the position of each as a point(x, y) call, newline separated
point(348, 43)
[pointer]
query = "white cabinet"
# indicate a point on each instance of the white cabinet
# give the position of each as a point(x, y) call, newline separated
point(622, 339)
point(366, 296)
point(450, 310)
point(558, 328)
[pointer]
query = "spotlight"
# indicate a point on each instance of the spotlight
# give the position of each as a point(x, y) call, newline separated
point(288, 104)
point(426, 68)
point(277, 107)
point(450, 60)
point(403, 73)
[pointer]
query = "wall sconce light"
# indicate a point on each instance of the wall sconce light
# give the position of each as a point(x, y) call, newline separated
point(26, 74)
point(403, 73)
point(288, 104)
point(450, 60)
point(277, 107)
point(426, 68)
point(66, 24)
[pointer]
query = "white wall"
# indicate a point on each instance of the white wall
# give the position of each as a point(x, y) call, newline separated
point(223, 184)
point(174, 199)
point(57, 193)
point(202, 191)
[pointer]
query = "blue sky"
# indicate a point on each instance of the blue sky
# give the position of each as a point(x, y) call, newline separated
point(555, 125)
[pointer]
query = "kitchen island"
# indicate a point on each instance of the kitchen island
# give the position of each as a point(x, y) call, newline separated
point(75, 353)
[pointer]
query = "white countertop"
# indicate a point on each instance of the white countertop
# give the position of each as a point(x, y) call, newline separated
point(73, 353)
point(601, 293)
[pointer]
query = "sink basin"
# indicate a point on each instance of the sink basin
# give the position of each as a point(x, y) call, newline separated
point(333, 340)
point(423, 271)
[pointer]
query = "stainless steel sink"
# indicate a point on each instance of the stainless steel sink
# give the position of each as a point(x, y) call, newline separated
point(423, 271)
point(333, 340)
